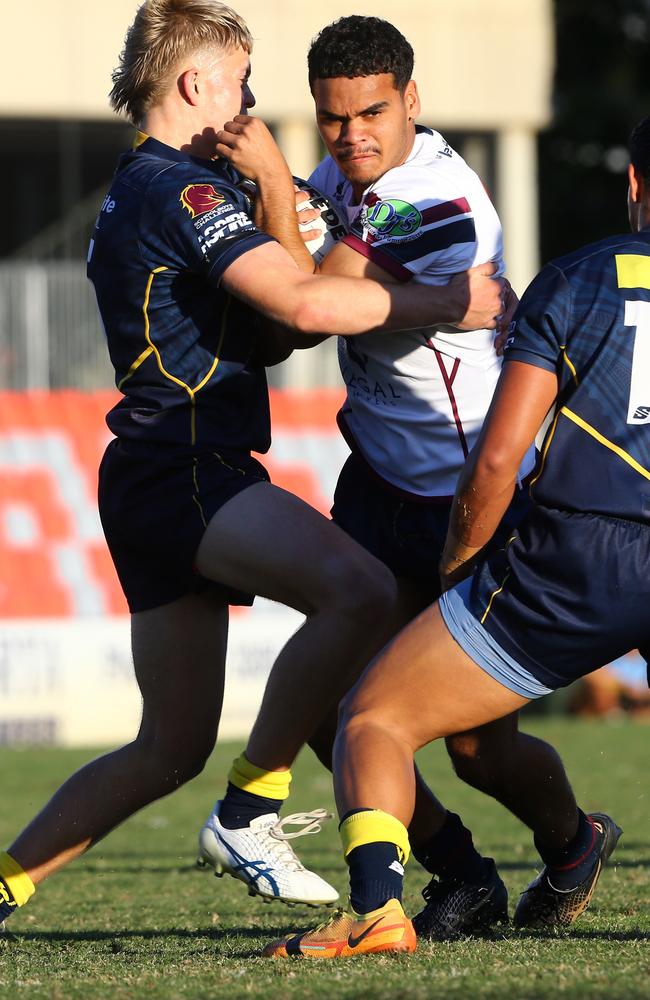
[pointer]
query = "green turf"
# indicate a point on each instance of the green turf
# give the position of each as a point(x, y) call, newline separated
point(134, 919)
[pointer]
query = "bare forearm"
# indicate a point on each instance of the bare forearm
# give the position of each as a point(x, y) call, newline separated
point(470, 301)
point(353, 306)
point(275, 214)
point(334, 308)
point(268, 280)
point(522, 398)
point(482, 498)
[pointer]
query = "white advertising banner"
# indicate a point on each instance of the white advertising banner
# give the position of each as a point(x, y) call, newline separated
point(70, 682)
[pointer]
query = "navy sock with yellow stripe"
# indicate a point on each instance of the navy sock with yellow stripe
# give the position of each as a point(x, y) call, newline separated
point(238, 808)
point(376, 875)
point(376, 848)
point(252, 791)
point(16, 886)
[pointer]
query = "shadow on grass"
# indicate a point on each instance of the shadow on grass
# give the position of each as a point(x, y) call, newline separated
point(581, 935)
point(616, 861)
point(327, 871)
point(118, 937)
point(496, 938)
point(110, 867)
point(118, 940)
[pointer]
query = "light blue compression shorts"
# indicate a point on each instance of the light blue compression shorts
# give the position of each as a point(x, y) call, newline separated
point(482, 648)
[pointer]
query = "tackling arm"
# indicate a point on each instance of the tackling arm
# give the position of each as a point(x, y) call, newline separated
point(248, 145)
point(268, 280)
point(523, 397)
point(471, 301)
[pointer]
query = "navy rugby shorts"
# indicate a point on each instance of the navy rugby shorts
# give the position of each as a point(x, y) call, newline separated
point(407, 535)
point(155, 502)
point(570, 594)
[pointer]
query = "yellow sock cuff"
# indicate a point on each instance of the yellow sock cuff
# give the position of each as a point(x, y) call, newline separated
point(373, 826)
point(258, 781)
point(16, 880)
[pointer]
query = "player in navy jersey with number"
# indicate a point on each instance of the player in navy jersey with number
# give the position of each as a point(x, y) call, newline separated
point(569, 592)
point(190, 517)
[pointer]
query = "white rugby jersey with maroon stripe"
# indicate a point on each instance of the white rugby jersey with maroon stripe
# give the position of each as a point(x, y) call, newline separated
point(416, 399)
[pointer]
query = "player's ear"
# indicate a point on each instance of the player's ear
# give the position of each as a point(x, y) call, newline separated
point(412, 100)
point(188, 87)
point(637, 184)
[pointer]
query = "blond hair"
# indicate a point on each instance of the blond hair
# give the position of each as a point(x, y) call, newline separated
point(163, 33)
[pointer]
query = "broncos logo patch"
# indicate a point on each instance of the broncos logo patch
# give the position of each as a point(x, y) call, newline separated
point(200, 198)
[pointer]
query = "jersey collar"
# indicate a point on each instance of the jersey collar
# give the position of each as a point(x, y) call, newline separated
point(144, 143)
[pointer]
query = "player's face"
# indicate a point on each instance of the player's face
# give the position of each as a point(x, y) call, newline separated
point(366, 124)
point(226, 90)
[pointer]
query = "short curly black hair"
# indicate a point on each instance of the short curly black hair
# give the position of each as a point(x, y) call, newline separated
point(360, 46)
point(639, 147)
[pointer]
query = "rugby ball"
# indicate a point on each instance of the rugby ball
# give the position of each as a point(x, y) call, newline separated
point(331, 224)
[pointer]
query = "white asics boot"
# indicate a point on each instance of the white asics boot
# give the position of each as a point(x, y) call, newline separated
point(260, 856)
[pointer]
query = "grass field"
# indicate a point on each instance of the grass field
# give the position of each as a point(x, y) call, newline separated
point(134, 919)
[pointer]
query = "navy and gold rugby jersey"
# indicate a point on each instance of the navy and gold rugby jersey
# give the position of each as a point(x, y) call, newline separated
point(167, 230)
point(587, 317)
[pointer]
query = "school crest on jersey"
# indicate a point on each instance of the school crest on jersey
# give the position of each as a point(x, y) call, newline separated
point(391, 218)
point(199, 199)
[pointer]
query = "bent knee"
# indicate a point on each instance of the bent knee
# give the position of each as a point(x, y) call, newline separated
point(355, 585)
point(463, 746)
point(356, 718)
point(474, 764)
point(175, 763)
point(189, 766)
point(363, 589)
point(354, 710)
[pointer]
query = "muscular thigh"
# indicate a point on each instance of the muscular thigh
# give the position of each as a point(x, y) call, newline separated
point(425, 686)
point(270, 542)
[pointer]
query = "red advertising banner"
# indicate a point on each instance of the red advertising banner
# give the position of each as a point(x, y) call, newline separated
point(53, 559)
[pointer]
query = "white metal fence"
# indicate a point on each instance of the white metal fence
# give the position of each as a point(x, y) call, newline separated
point(51, 336)
point(50, 333)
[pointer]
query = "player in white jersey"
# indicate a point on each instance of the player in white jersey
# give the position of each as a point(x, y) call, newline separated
point(366, 108)
point(416, 401)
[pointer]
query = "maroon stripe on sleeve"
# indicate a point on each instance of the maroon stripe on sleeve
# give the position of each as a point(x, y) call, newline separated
point(446, 210)
point(378, 257)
